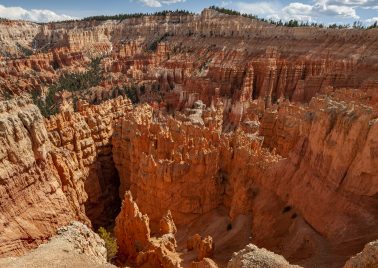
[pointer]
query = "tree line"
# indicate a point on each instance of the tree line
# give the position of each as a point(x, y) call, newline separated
point(295, 23)
point(137, 15)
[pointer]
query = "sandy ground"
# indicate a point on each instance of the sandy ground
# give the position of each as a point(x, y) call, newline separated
point(215, 224)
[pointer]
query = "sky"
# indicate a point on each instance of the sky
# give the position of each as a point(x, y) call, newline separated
point(321, 11)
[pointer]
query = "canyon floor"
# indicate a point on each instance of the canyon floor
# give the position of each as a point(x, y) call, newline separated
point(196, 140)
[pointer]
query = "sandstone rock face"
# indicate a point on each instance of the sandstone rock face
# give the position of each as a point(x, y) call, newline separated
point(75, 245)
point(204, 247)
point(193, 242)
point(320, 162)
point(54, 165)
point(167, 225)
point(367, 258)
point(132, 228)
point(33, 73)
point(205, 263)
point(260, 65)
point(41, 187)
point(88, 134)
point(253, 257)
point(160, 252)
point(136, 243)
point(238, 119)
point(17, 32)
point(164, 161)
point(150, 151)
point(84, 241)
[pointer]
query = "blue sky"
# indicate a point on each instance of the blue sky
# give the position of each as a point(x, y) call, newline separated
point(326, 11)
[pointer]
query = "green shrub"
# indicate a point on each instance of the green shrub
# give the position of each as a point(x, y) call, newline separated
point(71, 82)
point(163, 13)
point(24, 50)
point(153, 46)
point(7, 95)
point(130, 91)
point(110, 243)
point(374, 25)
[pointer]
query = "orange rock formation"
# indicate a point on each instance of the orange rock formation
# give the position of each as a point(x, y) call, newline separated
point(244, 133)
point(136, 243)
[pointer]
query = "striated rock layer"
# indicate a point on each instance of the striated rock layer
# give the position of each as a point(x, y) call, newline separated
point(136, 243)
point(192, 169)
point(194, 55)
point(54, 171)
point(282, 170)
point(41, 187)
point(244, 133)
point(87, 134)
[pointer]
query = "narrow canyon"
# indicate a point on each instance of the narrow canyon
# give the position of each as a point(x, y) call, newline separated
point(197, 140)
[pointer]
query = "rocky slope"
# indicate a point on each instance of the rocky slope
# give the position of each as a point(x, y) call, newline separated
point(252, 256)
point(74, 246)
point(234, 132)
point(368, 257)
point(87, 135)
point(54, 171)
point(41, 188)
point(178, 164)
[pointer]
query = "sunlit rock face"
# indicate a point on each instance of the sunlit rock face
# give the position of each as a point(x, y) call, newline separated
point(204, 135)
point(160, 159)
point(42, 187)
point(49, 170)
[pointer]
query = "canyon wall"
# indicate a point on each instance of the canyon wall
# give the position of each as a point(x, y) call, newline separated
point(185, 163)
point(192, 169)
point(55, 171)
point(245, 131)
point(87, 134)
point(41, 187)
point(195, 54)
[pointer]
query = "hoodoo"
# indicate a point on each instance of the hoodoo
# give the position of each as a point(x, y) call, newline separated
point(195, 140)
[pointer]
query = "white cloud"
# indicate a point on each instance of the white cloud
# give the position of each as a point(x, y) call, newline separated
point(355, 3)
point(262, 8)
point(150, 3)
point(225, 3)
point(159, 3)
point(298, 8)
point(336, 8)
point(343, 9)
point(171, 1)
point(297, 11)
point(38, 15)
point(372, 20)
